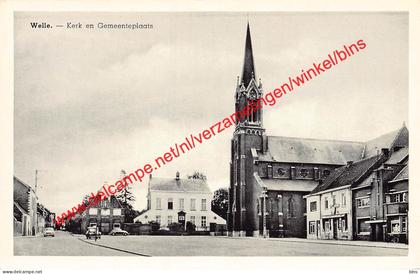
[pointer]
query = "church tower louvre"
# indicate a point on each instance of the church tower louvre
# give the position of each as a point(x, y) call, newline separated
point(247, 138)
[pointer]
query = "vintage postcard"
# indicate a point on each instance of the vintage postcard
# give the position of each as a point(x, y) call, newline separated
point(211, 134)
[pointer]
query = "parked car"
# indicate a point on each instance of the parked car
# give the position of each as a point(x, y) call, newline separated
point(92, 232)
point(49, 231)
point(118, 231)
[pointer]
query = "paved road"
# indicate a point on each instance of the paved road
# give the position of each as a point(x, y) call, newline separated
point(65, 244)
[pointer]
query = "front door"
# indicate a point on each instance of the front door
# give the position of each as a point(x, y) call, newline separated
point(181, 218)
point(335, 228)
point(318, 229)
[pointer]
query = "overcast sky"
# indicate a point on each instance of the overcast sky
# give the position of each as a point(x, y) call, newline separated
point(89, 103)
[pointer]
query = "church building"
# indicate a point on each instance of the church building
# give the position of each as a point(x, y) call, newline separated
point(270, 175)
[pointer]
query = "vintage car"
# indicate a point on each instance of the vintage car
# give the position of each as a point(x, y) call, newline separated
point(118, 231)
point(93, 233)
point(49, 231)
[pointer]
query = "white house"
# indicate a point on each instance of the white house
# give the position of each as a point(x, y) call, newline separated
point(176, 200)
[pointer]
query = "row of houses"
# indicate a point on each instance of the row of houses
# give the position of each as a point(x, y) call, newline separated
point(363, 200)
point(29, 216)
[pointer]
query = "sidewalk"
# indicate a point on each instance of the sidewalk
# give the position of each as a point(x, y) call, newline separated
point(343, 242)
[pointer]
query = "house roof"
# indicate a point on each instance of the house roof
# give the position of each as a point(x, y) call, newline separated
point(403, 175)
point(349, 174)
point(21, 209)
point(17, 180)
point(398, 156)
point(181, 185)
point(289, 185)
point(304, 150)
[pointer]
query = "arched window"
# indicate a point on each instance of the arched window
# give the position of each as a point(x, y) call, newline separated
point(258, 206)
point(290, 207)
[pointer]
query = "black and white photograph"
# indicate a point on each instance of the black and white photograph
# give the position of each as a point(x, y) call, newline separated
point(251, 134)
point(211, 134)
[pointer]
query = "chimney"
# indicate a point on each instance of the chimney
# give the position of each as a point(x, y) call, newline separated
point(385, 152)
point(177, 176)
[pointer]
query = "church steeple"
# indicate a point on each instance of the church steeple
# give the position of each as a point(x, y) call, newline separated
point(248, 90)
point(248, 70)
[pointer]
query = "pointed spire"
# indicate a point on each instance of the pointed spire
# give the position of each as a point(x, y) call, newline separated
point(248, 70)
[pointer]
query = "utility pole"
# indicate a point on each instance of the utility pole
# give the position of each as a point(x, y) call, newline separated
point(36, 199)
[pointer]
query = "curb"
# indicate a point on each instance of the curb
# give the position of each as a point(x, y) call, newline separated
point(345, 243)
point(349, 244)
point(114, 248)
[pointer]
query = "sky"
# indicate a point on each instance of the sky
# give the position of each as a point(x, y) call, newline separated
point(90, 102)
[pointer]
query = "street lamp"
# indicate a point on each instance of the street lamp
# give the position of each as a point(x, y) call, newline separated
point(264, 196)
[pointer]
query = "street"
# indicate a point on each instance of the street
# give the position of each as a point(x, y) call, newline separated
point(65, 244)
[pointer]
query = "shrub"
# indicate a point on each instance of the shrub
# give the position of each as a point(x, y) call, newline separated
point(190, 227)
point(176, 227)
point(155, 225)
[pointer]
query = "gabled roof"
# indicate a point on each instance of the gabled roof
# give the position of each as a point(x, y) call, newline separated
point(21, 209)
point(180, 185)
point(17, 180)
point(403, 175)
point(305, 150)
point(349, 174)
point(111, 201)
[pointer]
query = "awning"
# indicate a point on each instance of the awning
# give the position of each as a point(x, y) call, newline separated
point(375, 221)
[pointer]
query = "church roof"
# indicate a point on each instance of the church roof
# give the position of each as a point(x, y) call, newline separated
point(181, 185)
point(303, 150)
point(248, 70)
point(349, 174)
point(318, 151)
point(289, 185)
point(396, 138)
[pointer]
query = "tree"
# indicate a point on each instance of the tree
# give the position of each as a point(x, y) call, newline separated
point(197, 175)
point(219, 204)
point(126, 198)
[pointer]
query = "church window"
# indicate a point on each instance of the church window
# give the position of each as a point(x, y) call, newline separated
point(304, 172)
point(293, 172)
point(290, 207)
point(281, 171)
point(326, 172)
